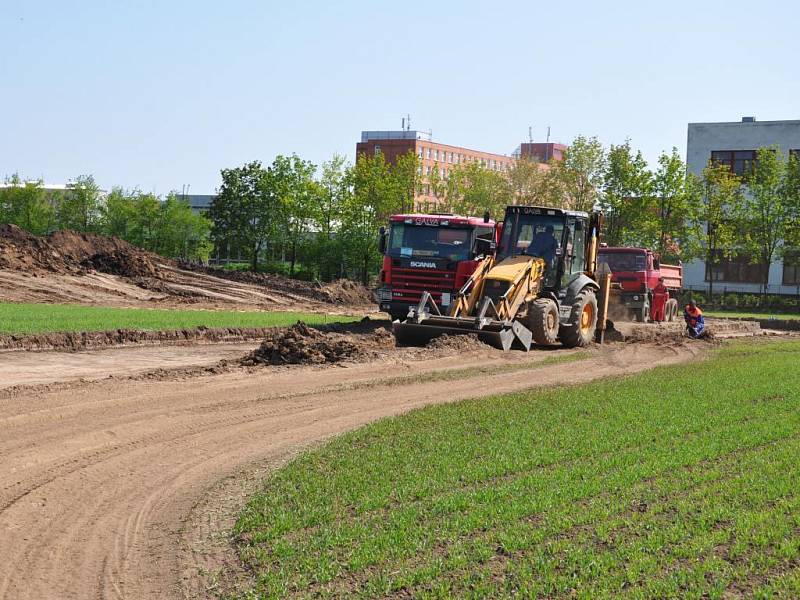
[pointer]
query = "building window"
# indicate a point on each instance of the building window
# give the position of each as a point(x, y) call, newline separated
point(421, 150)
point(427, 170)
point(791, 267)
point(429, 153)
point(377, 149)
point(740, 162)
point(435, 155)
point(450, 157)
point(738, 269)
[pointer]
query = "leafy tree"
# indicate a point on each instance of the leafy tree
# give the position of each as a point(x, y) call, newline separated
point(721, 201)
point(80, 207)
point(627, 196)
point(580, 174)
point(677, 197)
point(372, 200)
point(334, 193)
point(26, 205)
point(405, 173)
point(245, 209)
point(291, 179)
point(767, 212)
point(530, 182)
point(472, 189)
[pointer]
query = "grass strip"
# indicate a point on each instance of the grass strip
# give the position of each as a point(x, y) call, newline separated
point(750, 315)
point(541, 493)
point(59, 318)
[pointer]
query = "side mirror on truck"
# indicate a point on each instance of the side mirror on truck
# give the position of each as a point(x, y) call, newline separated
point(382, 240)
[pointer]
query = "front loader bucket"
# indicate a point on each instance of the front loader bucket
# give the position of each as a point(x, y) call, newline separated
point(498, 334)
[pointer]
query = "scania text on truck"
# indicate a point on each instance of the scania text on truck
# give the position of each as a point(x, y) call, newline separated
point(434, 253)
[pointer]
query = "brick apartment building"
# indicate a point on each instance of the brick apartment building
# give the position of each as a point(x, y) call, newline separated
point(444, 157)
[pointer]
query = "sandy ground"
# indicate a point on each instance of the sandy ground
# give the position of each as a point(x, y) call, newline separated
point(38, 368)
point(125, 488)
point(183, 289)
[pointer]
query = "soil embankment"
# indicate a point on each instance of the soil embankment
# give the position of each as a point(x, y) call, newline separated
point(70, 267)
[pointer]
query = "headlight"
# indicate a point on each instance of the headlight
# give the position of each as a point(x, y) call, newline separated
point(636, 297)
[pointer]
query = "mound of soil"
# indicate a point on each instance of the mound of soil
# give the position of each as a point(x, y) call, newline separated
point(68, 252)
point(460, 343)
point(301, 344)
point(345, 291)
point(342, 291)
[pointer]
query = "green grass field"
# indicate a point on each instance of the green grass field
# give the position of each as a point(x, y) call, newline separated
point(750, 315)
point(681, 482)
point(46, 318)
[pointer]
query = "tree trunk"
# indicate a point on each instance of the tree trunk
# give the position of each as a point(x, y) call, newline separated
point(294, 258)
point(254, 264)
point(365, 279)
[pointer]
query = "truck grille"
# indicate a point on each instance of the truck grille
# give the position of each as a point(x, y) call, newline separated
point(408, 284)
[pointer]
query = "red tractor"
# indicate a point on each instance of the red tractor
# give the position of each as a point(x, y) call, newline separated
point(433, 253)
point(635, 275)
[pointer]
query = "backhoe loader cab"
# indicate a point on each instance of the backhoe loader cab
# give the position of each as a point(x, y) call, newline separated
point(539, 287)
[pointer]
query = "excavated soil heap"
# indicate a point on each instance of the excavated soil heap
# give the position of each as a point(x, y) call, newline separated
point(460, 343)
point(301, 344)
point(342, 291)
point(68, 252)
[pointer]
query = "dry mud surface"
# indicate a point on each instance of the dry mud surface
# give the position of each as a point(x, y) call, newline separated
point(84, 268)
point(108, 488)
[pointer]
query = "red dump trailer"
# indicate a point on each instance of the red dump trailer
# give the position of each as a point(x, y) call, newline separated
point(635, 273)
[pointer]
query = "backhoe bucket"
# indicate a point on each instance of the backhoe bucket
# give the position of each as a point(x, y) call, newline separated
point(499, 334)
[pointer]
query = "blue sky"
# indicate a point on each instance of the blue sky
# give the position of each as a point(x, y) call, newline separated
point(157, 95)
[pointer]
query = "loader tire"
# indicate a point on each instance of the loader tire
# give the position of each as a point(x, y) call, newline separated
point(542, 320)
point(582, 320)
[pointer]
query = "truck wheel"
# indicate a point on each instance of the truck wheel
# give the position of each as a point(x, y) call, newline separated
point(542, 320)
point(642, 315)
point(671, 309)
point(582, 320)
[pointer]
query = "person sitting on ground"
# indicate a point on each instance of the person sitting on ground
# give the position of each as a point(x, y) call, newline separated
point(695, 324)
point(544, 245)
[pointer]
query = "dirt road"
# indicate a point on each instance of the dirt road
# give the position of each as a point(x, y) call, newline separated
point(112, 489)
point(39, 368)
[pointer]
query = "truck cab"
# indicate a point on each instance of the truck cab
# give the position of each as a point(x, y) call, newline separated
point(433, 253)
point(636, 273)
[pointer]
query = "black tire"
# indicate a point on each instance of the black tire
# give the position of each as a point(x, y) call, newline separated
point(542, 320)
point(642, 315)
point(582, 320)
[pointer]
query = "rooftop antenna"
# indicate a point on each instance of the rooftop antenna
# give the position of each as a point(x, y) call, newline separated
point(548, 134)
point(403, 124)
point(530, 134)
point(408, 121)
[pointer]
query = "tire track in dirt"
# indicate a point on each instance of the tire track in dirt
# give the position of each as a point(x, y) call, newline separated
point(112, 489)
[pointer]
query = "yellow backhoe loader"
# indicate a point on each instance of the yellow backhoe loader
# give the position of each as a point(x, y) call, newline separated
point(540, 286)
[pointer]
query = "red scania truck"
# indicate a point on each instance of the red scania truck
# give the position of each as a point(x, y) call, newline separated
point(433, 253)
point(635, 273)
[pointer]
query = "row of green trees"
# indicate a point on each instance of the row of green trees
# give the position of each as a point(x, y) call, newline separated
point(716, 216)
point(325, 219)
point(322, 222)
point(163, 225)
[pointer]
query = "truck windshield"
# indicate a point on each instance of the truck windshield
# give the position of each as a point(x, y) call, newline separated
point(622, 261)
point(532, 234)
point(452, 243)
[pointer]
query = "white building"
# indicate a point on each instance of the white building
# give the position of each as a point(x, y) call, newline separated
point(735, 144)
